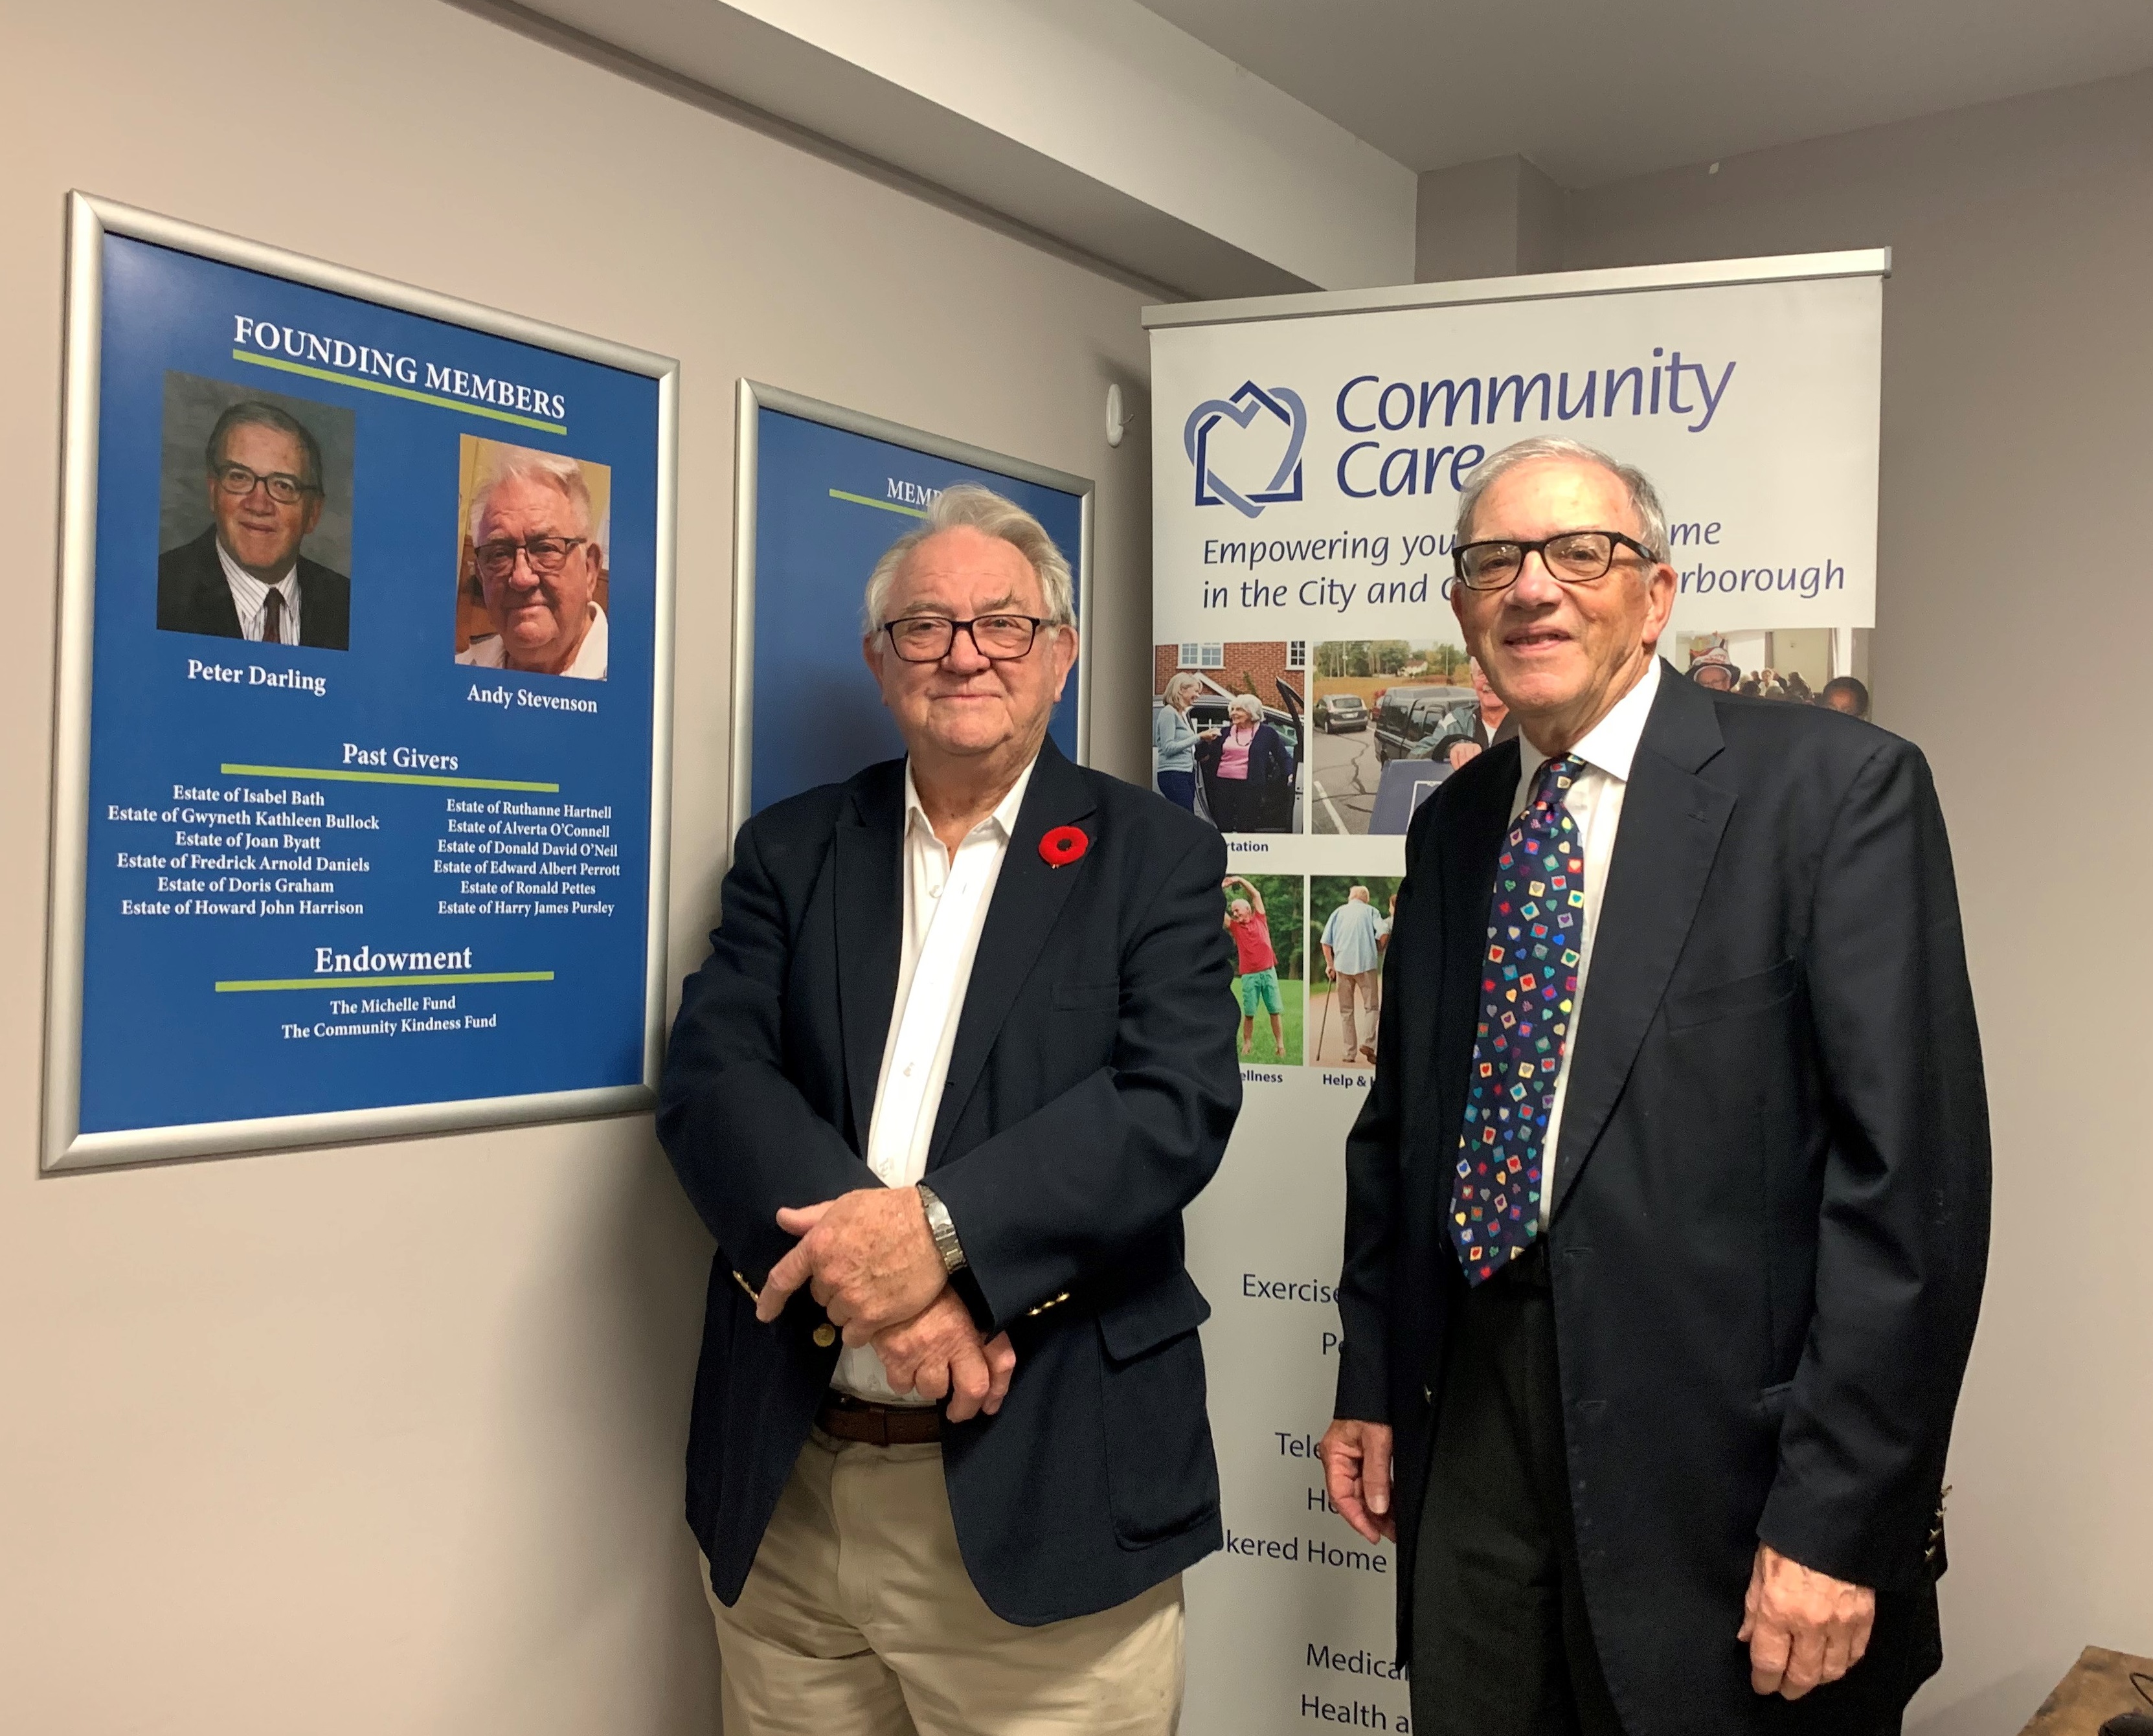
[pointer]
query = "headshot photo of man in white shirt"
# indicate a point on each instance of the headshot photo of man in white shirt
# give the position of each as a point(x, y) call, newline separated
point(535, 551)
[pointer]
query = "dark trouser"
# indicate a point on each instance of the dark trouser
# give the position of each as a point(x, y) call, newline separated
point(1501, 1644)
point(1179, 787)
point(1232, 803)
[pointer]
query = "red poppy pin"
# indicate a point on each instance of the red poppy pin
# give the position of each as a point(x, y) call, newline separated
point(1063, 845)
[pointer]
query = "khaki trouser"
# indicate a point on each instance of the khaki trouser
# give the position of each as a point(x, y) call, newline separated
point(1365, 985)
point(858, 1619)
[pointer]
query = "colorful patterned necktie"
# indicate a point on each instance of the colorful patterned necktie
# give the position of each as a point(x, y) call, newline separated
point(1528, 983)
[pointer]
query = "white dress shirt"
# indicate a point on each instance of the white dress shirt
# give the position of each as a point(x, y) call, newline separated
point(945, 906)
point(1595, 802)
point(251, 598)
point(588, 665)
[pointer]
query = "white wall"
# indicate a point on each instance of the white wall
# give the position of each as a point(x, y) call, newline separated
point(388, 1439)
point(1101, 122)
point(2015, 605)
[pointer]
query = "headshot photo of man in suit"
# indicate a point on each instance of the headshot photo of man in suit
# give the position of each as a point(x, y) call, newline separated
point(961, 1055)
point(243, 577)
point(1667, 1214)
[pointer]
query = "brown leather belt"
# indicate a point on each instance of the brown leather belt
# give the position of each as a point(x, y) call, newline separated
point(879, 1425)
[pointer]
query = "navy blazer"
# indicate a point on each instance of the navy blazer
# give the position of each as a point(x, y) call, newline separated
point(1771, 1218)
point(1091, 1091)
point(193, 597)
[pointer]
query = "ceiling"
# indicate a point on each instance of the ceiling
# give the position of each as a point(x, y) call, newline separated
point(1595, 90)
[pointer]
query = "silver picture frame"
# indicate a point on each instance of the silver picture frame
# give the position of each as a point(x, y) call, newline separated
point(63, 1146)
point(753, 397)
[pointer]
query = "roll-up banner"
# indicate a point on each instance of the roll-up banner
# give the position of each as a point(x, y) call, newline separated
point(1308, 453)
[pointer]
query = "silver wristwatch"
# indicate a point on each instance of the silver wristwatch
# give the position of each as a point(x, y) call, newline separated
point(941, 1229)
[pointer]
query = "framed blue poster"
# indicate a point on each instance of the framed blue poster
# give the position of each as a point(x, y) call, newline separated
point(362, 752)
point(822, 491)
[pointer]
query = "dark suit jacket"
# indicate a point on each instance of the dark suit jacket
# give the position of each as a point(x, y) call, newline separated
point(192, 597)
point(1090, 1094)
point(1771, 1192)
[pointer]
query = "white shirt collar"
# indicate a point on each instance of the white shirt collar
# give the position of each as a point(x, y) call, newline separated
point(591, 655)
point(1610, 744)
point(1003, 818)
point(236, 574)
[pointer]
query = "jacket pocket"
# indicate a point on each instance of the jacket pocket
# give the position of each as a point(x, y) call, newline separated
point(1084, 997)
point(1152, 1318)
point(1727, 1000)
point(1162, 1478)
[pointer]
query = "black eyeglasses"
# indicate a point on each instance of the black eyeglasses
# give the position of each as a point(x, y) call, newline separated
point(235, 479)
point(1577, 558)
point(928, 638)
point(547, 555)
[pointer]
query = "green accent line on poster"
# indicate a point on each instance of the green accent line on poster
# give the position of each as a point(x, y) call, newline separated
point(383, 982)
point(335, 775)
point(388, 390)
point(867, 499)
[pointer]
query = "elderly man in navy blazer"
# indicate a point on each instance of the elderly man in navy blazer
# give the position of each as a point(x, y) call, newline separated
point(1668, 1215)
point(961, 1054)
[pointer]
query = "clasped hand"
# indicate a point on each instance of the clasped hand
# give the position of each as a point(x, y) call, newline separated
point(870, 1259)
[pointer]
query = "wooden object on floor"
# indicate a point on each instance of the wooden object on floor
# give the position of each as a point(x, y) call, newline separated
point(2097, 1687)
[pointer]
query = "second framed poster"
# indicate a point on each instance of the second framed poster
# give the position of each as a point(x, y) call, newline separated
point(822, 491)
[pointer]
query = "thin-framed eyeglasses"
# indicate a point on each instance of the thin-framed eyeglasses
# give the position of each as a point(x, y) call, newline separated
point(1577, 558)
point(547, 555)
point(284, 489)
point(998, 639)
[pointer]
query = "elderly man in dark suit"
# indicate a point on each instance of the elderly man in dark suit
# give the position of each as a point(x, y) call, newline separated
point(961, 1054)
point(244, 576)
point(1668, 1215)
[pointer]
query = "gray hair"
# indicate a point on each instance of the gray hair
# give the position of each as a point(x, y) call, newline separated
point(1644, 498)
point(967, 506)
point(1188, 681)
point(549, 469)
point(1246, 705)
point(252, 413)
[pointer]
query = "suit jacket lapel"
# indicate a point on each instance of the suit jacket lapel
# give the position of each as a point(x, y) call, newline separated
point(867, 889)
point(1029, 894)
point(219, 613)
point(1672, 822)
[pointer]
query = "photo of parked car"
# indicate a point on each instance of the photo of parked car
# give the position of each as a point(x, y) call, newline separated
point(1408, 716)
point(1377, 701)
point(1337, 713)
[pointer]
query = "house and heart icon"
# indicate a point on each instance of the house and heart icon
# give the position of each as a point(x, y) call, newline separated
point(1283, 415)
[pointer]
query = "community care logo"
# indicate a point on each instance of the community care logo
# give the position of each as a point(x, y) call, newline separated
point(1245, 460)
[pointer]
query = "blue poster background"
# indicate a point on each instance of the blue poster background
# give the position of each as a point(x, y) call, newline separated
point(162, 1043)
point(817, 716)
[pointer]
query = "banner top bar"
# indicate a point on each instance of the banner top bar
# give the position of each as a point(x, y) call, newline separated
point(1544, 286)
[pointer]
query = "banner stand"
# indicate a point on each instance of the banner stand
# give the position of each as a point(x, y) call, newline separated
point(1308, 453)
